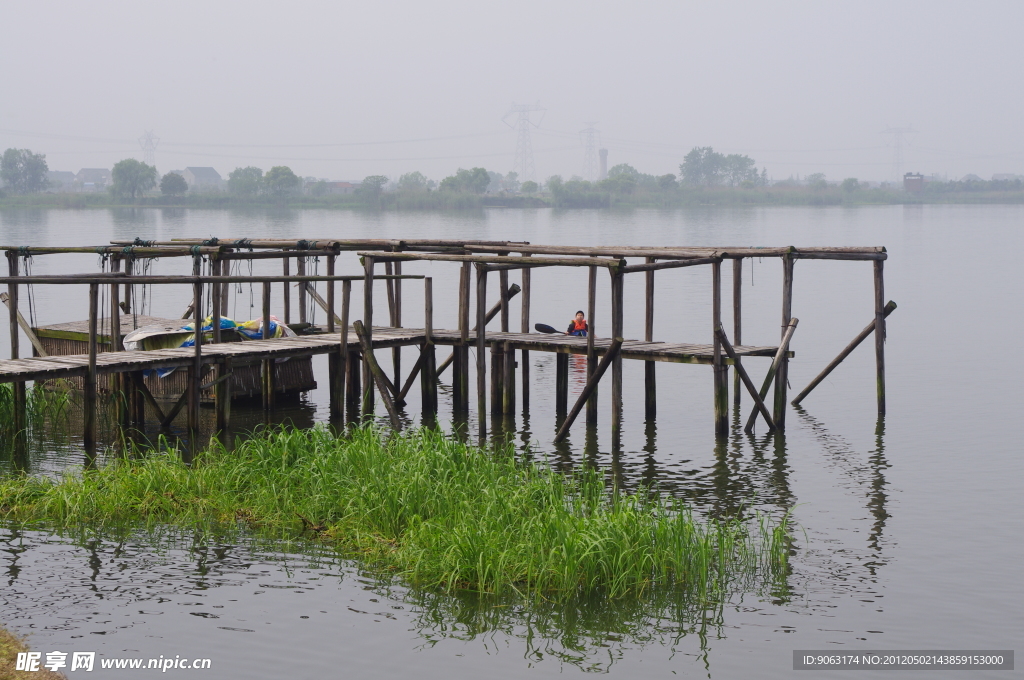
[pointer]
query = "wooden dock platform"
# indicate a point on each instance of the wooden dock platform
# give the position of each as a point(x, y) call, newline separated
point(66, 366)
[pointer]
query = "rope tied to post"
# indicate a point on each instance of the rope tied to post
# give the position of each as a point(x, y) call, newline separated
point(305, 245)
point(243, 243)
point(195, 250)
point(211, 241)
point(145, 244)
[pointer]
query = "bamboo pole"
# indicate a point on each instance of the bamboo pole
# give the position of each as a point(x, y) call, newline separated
point(780, 354)
point(868, 330)
point(396, 352)
point(25, 328)
point(428, 375)
point(222, 395)
point(782, 375)
point(650, 374)
point(758, 402)
point(216, 311)
point(285, 269)
point(497, 259)
point(651, 266)
point(737, 322)
point(118, 381)
point(331, 316)
point(591, 353)
point(89, 383)
point(606, 361)
point(376, 373)
point(720, 376)
point(508, 380)
point(880, 335)
point(341, 370)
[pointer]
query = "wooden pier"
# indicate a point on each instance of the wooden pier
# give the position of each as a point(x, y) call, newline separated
point(352, 343)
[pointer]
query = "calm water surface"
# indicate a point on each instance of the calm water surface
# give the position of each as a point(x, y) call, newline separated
point(910, 525)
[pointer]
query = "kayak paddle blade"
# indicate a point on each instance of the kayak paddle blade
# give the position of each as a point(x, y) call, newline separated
point(544, 328)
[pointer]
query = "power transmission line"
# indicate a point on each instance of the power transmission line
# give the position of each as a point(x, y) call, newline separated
point(148, 142)
point(897, 134)
point(591, 138)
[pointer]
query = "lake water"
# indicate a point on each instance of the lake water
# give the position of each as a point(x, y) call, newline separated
point(909, 527)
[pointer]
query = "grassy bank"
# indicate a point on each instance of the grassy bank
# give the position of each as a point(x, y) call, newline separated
point(10, 646)
point(429, 509)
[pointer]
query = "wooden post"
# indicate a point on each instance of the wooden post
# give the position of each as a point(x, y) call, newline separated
point(524, 369)
point(591, 354)
point(268, 364)
point(129, 266)
point(428, 377)
point(782, 375)
point(503, 290)
point(508, 381)
point(338, 381)
point(215, 297)
point(222, 394)
point(481, 347)
point(330, 294)
point(609, 358)
point(887, 310)
point(780, 354)
point(460, 377)
point(89, 383)
point(617, 304)
point(368, 400)
point(497, 377)
point(758, 402)
point(377, 373)
point(285, 269)
point(721, 371)
point(561, 383)
point(491, 313)
point(650, 383)
point(196, 370)
point(118, 381)
point(737, 322)
point(396, 353)
point(880, 336)
point(20, 400)
point(300, 269)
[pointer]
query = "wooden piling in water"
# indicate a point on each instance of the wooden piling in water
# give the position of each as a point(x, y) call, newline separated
point(396, 353)
point(460, 367)
point(561, 383)
point(481, 347)
point(267, 364)
point(880, 335)
point(868, 330)
point(618, 283)
point(780, 354)
point(737, 322)
point(525, 328)
point(491, 313)
point(89, 383)
point(286, 289)
point(300, 269)
point(367, 400)
point(222, 395)
point(609, 358)
point(377, 373)
point(195, 375)
point(118, 383)
point(650, 382)
point(720, 370)
point(591, 353)
point(782, 375)
point(18, 388)
point(508, 381)
point(758, 402)
point(428, 373)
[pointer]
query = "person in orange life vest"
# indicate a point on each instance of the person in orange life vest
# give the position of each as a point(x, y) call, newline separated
point(578, 326)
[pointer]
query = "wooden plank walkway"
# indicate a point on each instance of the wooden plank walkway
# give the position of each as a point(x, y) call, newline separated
point(42, 368)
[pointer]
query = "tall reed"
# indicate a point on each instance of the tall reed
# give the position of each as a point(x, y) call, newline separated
point(425, 507)
point(41, 405)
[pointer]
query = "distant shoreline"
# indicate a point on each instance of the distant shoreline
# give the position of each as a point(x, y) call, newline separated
point(442, 201)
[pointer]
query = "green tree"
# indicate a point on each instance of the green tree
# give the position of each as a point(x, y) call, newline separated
point(245, 181)
point(529, 187)
point(24, 172)
point(702, 167)
point(412, 181)
point(173, 184)
point(372, 186)
point(850, 184)
point(281, 181)
point(738, 169)
point(667, 182)
point(131, 178)
point(473, 181)
point(817, 181)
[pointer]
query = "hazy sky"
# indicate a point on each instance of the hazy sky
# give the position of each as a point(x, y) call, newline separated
point(347, 89)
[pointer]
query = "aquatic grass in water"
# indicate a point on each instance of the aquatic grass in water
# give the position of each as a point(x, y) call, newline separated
point(433, 511)
point(41, 405)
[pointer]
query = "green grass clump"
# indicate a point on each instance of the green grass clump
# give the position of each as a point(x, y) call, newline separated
point(40, 405)
point(430, 509)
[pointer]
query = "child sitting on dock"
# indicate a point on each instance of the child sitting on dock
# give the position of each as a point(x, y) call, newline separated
point(578, 326)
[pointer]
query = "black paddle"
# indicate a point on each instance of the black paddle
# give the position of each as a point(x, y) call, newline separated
point(544, 328)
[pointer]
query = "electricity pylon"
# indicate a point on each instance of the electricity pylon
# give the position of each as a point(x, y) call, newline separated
point(523, 162)
point(591, 138)
point(148, 142)
point(897, 134)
